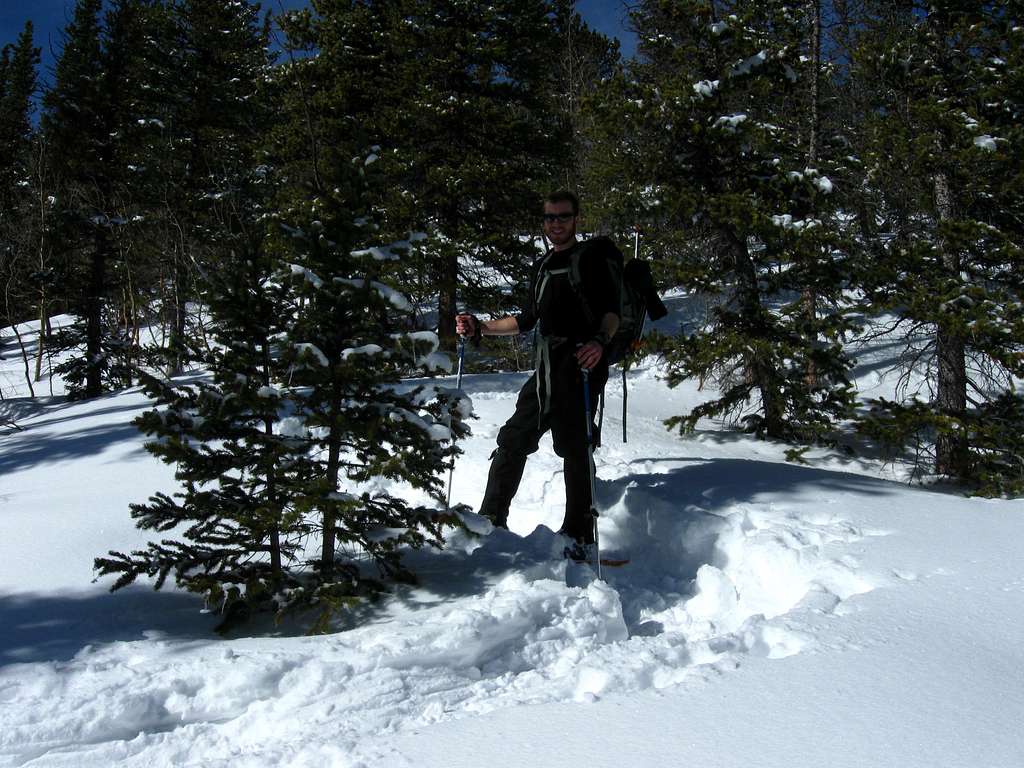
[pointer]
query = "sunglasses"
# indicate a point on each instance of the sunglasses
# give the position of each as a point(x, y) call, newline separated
point(561, 218)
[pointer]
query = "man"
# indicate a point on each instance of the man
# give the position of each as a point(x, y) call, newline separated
point(575, 325)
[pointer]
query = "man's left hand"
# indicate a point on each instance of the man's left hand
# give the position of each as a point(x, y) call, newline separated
point(589, 354)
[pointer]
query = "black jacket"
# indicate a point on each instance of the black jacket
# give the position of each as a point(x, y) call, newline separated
point(561, 311)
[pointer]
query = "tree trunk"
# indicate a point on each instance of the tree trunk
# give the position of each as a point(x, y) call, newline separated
point(94, 313)
point(275, 531)
point(268, 430)
point(180, 316)
point(951, 448)
point(447, 298)
point(44, 323)
point(44, 315)
point(176, 341)
point(333, 468)
point(759, 370)
point(24, 358)
point(810, 298)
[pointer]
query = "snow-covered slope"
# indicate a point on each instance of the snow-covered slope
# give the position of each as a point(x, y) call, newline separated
point(772, 615)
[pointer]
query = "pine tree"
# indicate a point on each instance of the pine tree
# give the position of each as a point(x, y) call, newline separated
point(584, 59)
point(87, 125)
point(143, 175)
point(303, 417)
point(349, 342)
point(948, 162)
point(283, 451)
point(346, 351)
point(71, 124)
point(221, 432)
point(214, 100)
point(460, 94)
point(705, 142)
point(236, 523)
point(18, 65)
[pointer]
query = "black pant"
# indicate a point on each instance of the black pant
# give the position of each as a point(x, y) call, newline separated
point(566, 418)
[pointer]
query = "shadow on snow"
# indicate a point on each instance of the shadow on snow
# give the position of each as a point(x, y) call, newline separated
point(24, 450)
point(55, 627)
point(667, 521)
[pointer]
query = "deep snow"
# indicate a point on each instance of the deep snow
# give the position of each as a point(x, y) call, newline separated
point(773, 615)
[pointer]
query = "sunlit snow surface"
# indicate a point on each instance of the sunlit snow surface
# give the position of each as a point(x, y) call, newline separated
point(772, 614)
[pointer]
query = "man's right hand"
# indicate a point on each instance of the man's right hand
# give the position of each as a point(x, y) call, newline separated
point(466, 325)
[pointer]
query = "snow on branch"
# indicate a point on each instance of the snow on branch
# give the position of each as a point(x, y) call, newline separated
point(436, 431)
point(730, 122)
point(394, 251)
point(307, 274)
point(988, 143)
point(746, 66)
point(366, 349)
point(388, 293)
point(706, 88)
point(433, 360)
point(312, 351)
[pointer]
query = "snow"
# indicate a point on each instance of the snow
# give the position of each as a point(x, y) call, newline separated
point(365, 349)
point(706, 88)
point(307, 274)
point(786, 221)
point(730, 122)
point(292, 426)
point(432, 360)
point(380, 254)
point(773, 615)
point(436, 362)
point(436, 431)
point(392, 252)
point(393, 297)
point(985, 142)
point(748, 65)
point(309, 350)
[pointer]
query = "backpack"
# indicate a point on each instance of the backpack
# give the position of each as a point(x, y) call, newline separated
point(638, 300)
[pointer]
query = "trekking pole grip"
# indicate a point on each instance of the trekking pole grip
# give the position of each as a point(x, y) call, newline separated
point(462, 357)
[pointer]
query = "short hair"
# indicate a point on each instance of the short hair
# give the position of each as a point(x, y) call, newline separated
point(565, 196)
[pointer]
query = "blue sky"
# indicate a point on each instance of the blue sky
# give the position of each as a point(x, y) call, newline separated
point(609, 17)
point(50, 16)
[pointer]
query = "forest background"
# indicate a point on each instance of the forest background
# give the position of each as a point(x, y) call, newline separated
point(277, 199)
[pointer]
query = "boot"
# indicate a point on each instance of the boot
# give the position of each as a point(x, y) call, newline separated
point(578, 521)
point(502, 483)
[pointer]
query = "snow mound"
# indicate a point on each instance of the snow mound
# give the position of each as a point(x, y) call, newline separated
point(493, 625)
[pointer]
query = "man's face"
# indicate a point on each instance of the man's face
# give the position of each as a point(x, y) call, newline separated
point(560, 224)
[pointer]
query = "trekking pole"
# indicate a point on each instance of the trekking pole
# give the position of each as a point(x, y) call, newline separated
point(458, 385)
point(625, 362)
point(590, 468)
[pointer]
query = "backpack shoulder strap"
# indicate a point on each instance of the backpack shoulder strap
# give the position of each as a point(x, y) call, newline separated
point(576, 280)
point(540, 278)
